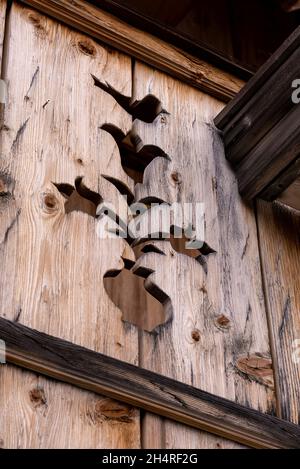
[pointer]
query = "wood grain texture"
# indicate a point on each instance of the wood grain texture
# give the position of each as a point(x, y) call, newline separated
point(3, 5)
point(285, 187)
point(219, 317)
point(271, 157)
point(90, 370)
point(53, 262)
point(280, 256)
point(259, 79)
point(140, 45)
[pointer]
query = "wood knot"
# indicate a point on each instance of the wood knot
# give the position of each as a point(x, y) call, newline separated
point(37, 397)
point(196, 335)
point(1, 443)
point(176, 177)
point(6, 188)
point(87, 48)
point(256, 368)
point(50, 203)
point(109, 409)
point(222, 322)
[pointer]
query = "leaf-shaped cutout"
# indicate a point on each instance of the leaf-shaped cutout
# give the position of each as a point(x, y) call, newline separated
point(135, 156)
point(142, 302)
point(146, 109)
point(79, 198)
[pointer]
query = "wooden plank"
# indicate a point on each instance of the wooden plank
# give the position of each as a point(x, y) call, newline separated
point(144, 46)
point(271, 157)
point(3, 5)
point(194, 34)
point(260, 130)
point(280, 256)
point(218, 317)
point(71, 363)
point(291, 196)
point(271, 103)
point(53, 262)
point(257, 81)
point(289, 179)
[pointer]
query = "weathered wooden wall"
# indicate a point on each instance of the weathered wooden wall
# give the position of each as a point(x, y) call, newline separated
point(226, 322)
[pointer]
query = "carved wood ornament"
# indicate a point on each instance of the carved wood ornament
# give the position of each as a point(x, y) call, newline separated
point(135, 158)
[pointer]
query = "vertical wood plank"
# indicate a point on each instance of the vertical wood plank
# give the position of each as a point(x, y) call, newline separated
point(280, 254)
point(53, 262)
point(3, 5)
point(218, 339)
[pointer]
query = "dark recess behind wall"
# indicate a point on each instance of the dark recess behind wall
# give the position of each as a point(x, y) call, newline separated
point(236, 35)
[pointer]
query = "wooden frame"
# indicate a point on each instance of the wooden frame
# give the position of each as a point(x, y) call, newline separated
point(143, 46)
point(79, 366)
point(261, 126)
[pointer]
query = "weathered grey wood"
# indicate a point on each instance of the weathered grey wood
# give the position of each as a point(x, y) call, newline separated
point(3, 6)
point(220, 317)
point(280, 257)
point(53, 262)
point(272, 157)
point(143, 46)
point(73, 364)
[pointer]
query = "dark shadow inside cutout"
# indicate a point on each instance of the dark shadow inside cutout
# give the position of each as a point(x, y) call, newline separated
point(79, 198)
point(180, 246)
point(135, 156)
point(142, 302)
point(146, 109)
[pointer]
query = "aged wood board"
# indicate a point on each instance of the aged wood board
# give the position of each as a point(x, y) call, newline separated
point(219, 318)
point(53, 262)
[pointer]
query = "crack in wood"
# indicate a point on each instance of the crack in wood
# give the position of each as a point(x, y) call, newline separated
point(10, 227)
point(19, 134)
point(34, 77)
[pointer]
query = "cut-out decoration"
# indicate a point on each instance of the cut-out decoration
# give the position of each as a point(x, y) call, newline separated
point(146, 109)
point(145, 304)
point(132, 288)
point(134, 154)
point(180, 245)
point(79, 198)
point(121, 187)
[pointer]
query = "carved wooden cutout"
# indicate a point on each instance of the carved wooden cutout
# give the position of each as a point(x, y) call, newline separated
point(144, 304)
point(134, 154)
point(79, 198)
point(135, 159)
point(146, 109)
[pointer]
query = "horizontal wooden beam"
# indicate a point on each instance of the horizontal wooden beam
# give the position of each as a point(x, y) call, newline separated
point(141, 45)
point(79, 366)
point(260, 126)
point(164, 28)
